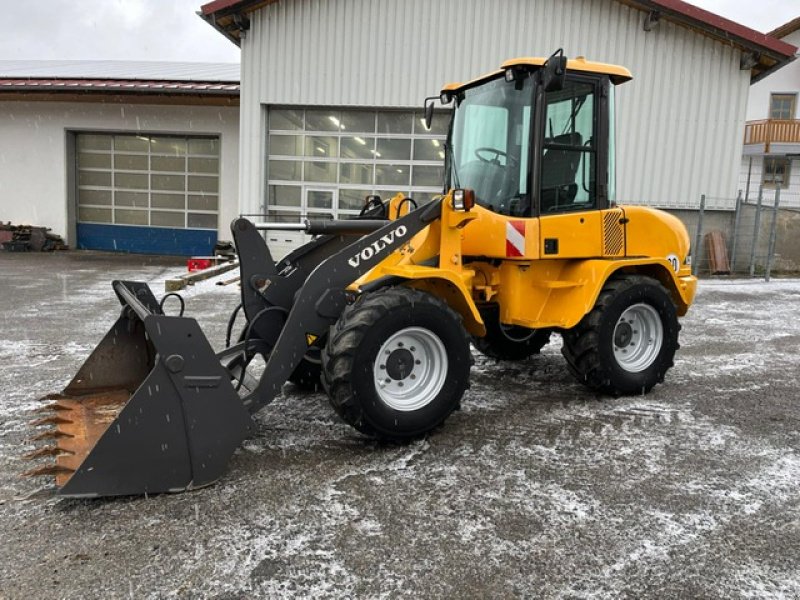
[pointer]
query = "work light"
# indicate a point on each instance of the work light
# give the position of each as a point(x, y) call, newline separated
point(463, 199)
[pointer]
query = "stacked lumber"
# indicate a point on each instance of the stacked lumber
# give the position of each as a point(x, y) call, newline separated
point(717, 252)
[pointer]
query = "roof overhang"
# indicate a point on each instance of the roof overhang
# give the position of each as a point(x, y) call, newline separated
point(230, 17)
point(119, 90)
point(785, 29)
point(761, 53)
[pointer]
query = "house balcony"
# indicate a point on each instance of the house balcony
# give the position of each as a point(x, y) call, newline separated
point(772, 136)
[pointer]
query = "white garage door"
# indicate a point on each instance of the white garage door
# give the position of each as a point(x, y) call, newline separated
point(322, 162)
point(160, 182)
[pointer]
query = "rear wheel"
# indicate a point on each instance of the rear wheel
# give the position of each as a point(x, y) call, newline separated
point(509, 342)
point(626, 344)
point(397, 363)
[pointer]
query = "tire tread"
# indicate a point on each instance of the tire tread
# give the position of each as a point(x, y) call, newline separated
point(346, 336)
point(581, 348)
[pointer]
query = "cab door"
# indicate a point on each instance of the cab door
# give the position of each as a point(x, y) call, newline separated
point(571, 160)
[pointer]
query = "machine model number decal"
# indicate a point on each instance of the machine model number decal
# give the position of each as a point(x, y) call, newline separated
point(377, 246)
point(515, 238)
point(673, 260)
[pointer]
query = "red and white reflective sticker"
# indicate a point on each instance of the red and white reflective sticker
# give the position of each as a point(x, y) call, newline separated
point(515, 238)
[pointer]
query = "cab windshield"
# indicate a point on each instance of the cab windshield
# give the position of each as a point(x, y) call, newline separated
point(488, 144)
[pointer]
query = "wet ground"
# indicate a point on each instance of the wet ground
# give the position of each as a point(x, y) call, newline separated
point(536, 488)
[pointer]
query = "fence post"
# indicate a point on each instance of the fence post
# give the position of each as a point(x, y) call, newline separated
point(747, 188)
point(772, 233)
point(756, 225)
point(698, 238)
point(737, 216)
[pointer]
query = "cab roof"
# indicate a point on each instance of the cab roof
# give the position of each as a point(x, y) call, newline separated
point(616, 73)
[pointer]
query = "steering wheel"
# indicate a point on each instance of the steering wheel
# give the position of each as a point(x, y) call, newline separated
point(479, 154)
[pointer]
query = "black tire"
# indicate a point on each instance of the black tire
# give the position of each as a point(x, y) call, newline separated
point(308, 374)
point(349, 358)
point(509, 343)
point(591, 348)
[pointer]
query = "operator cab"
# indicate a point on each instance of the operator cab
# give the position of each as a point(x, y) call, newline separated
point(533, 140)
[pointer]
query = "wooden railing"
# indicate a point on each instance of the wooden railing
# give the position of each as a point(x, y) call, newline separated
point(772, 130)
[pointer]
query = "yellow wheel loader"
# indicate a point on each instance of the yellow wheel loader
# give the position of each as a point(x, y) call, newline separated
point(380, 310)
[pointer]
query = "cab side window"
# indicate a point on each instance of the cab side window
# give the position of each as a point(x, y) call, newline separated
point(569, 159)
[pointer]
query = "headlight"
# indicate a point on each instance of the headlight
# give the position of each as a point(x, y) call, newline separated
point(463, 199)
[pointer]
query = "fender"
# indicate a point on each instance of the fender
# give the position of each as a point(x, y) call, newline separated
point(445, 284)
point(549, 294)
point(681, 286)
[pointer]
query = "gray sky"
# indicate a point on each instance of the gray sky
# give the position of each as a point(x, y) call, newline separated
point(110, 30)
point(170, 29)
point(761, 15)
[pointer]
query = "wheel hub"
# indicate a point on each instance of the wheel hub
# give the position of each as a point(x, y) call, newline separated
point(623, 334)
point(638, 337)
point(410, 368)
point(399, 364)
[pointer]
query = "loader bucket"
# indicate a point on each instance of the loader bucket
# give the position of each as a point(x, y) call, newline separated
point(151, 410)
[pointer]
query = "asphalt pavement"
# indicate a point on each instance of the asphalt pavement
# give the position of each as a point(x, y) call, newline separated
point(536, 488)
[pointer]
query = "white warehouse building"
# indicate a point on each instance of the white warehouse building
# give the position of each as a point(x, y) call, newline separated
point(159, 158)
point(331, 92)
point(120, 155)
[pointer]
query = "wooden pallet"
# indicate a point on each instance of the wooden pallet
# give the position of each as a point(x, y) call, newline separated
point(717, 251)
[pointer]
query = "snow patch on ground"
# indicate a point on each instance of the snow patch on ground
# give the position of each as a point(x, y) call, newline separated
point(534, 488)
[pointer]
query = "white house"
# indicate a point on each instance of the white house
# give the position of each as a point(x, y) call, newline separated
point(139, 157)
point(771, 156)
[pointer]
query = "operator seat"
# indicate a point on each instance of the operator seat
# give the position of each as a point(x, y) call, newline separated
point(559, 167)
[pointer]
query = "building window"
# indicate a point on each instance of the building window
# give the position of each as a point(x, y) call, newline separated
point(322, 162)
point(782, 106)
point(151, 180)
point(776, 172)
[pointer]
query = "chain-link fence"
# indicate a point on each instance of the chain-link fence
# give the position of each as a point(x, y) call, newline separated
point(757, 236)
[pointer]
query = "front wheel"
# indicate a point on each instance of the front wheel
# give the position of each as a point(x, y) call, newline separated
point(397, 363)
point(627, 342)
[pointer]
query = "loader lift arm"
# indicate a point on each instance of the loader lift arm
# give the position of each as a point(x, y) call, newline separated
point(322, 297)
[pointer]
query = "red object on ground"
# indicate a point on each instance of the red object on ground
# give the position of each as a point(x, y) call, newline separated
point(199, 263)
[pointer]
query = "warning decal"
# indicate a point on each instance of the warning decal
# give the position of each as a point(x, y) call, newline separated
point(311, 338)
point(515, 238)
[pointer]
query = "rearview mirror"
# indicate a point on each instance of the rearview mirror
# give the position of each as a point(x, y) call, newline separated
point(555, 71)
point(429, 112)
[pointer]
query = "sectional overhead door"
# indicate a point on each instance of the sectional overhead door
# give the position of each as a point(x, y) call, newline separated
point(323, 161)
point(147, 193)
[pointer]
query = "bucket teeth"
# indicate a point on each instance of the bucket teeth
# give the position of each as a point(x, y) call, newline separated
point(46, 451)
point(50, 397)
point(53, 420)
point(72, 424)
point(48, 470)
point(53, 407)
point(51, 434)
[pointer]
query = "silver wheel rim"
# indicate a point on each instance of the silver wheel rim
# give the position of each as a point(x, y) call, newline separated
point(410, 369)
point(638, 337)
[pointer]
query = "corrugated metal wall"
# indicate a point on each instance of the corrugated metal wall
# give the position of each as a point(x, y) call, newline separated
point(679, 124)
